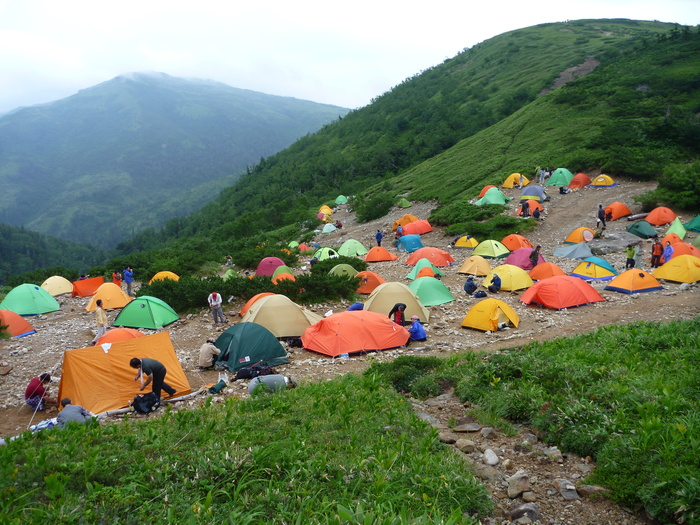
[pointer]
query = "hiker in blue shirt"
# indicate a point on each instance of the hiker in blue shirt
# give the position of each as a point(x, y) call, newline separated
point(379, 237)
point(495, 285)
point(128, 275)
point(470, 285)
point(416, 330)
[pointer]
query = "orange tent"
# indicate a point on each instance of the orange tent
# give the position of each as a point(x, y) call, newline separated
point(252, 300)
point(515, 241)
point(684, 248)
point(634, 281)
point(304, 248)
point(438, 257)
point(426, 271)
point(617, 210)
point(17, 326)
point(119, 334)
point(284, 276)
point(112, 297)
point(417, 227)
point(545, 270)
point(660, 215)
point(378, 254)
point(579, 181)
point(351, 332)
point(87, 287)
point(101, 379)
point(561, 291)
point(368, 281)
point(581, 234)
point(534, 205)
point(673, 238)
point(485, 189)
point(403, 221)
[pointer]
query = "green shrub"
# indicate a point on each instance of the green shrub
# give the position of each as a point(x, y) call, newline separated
point(374, 207)
point(323, 267)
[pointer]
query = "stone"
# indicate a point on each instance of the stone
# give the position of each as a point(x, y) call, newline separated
point(591, 490)
point(486, 473)
point(508, 464)
point(447, 437)
point(566, 489)
point(554, 454)
point(488, 433)
point(529, 439)
point(517, 484)
point(529, 497)
point(468, 427)
point(465, 445)
point(490, 457)
point(529, 510)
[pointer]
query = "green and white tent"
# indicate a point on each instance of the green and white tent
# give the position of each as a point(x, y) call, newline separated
point(422, 263)
point(146, 312)
point(29, 299)
point(352, 248)
point(493, 196)
point(560, 177)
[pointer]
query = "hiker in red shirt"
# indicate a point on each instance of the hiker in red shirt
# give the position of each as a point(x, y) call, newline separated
point(656, 252)
point(36, 395)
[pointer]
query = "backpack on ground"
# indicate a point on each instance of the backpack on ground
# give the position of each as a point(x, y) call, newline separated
point(146, 403)
point(258, 369)
point(480, 294)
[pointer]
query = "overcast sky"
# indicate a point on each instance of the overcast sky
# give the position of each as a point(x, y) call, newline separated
point(342, 53)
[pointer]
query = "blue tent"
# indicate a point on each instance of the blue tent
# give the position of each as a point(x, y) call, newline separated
point(409, 243)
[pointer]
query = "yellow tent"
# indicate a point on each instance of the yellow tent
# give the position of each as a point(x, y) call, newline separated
point(475, 265)
point(280, 315)
point(57, 285)
point(488, 314)
point(515, 179)
point(100, 379)
point(681, 269)
point(326, 210)
point(386, 295)
point(162, 276)
point(112, 297)
point(466, 242)
point(512, 278)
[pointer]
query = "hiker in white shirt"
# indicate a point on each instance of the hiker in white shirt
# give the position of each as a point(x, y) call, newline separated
point(217, 311)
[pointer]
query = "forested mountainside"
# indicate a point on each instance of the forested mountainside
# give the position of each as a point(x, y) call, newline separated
point(135, 151)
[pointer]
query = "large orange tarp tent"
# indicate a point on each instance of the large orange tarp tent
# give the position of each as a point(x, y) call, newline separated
point(561, 291)
point(368, 281)
point(87, 287)
point(438, 257)
point(379, 254)
point(17, 326)
point(100, 379)
point(417, 227)
point(352, 332)
point(579, 181)
point(660, 215)
point(403, 221)
point(616, 210)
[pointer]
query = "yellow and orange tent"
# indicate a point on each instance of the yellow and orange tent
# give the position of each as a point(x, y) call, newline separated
point(581, 234)
point(403, 221)
point(100, 379)
point(112, 297)
point(368, 281)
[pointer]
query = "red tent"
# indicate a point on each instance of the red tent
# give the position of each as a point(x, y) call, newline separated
point(438, 257)
point(417, 227)
point(617, 210)
point(368, 281)
point(87, 287)
point(579, 181)
point(354, 331)
point(17, 326)
point(268, 265)
point(515, 241)
point(521, 258)
point(660, 215)
point(561, 291)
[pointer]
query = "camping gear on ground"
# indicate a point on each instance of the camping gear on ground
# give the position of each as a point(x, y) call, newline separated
point(490, 249)
point(29, 299)
point(17, 326)
point(100, 379)
point(436, 256)
point(560, 177)
point(409, 243)
point(490, 314)
point(521, 258)
point(660, 215)
point(512, 278)
point(261, 368)
point(119, 334)
point(642, 229)
point(579, 181)
point(634, 281)
point(681, 269)
point(475, 265)
point(545, 270)
point(581, 234)
point(354, 332)
point(617, 210)
point(145, 403)
point(578, 250)
point(594, 268)
point(561, 291)
point(423, 263)
point(431, 291)
point(493, 196)
point(603, 181)
point(162, 276)
point(515, 179)
point(380, 254)
point(246, 343)
point(268, 265)
point(386, 295)
point(368, 281)
point(280, 315)
point(418, 227)
point(515, 241)
point(465, 241)
point(146, 312)
point(57, 285)
point(112, 296)
point(352, 248)
point(86, 287)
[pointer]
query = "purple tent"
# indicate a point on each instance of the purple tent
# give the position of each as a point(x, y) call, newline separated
point(521, 258)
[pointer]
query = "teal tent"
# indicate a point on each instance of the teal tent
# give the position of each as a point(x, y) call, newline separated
point(560, 177)
point(328, 228)
point(642, 229)
point(352, 248)
point(579, 250)
point(409, 243)
point(29, 299)
point(245, 344)
point(694, 224)
point(146, 312)
point(422, 263)
point(343, 269)
point(493, 196)
point(431, 291)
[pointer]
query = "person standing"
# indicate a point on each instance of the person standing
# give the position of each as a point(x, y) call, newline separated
point(668, 252)
point(36, 395)
point(215, 300)
point(525, 209)
point(72, 413)
point(638, 251)
point(117, 278)
point(156, 372)
point(535, 256)
point(208, 354)
point(128, 274)
point(629, 253)
point(601, 216)
point(101, 320)
point(379, 237)
point(657, 250)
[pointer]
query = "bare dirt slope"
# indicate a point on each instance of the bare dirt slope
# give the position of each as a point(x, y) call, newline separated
point(72, 327)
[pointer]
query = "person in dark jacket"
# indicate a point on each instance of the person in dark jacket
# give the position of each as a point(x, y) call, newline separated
point(156, 371)
point(470, 285)
point(71, 412)
point(398, 313)
point(495, 285)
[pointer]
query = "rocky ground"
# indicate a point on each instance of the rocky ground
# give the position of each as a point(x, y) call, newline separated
point(535, 466)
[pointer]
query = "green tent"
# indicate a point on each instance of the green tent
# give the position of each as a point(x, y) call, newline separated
point(642, 229)
point(493, 196)
point(341, 199)
point(431, 291)
point(293, 244)
point(677, 228)
point(343, 269)
point(146, 312)
point(325, 253)
point(694, 224)
point(29, 299)
point(230, 273)
point(282, 269)
point(352, 248)
point(422, 263)
point(560, 177)
point(245, 344)
point(403, 203)
point(491, 249)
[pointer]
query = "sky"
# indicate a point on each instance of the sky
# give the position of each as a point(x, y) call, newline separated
point(343, 54)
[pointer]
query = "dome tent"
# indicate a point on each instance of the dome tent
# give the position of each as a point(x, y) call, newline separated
point(57, 285)
point(490, 249)
point(280, 315)
point(544, 271)
point(418, 227)
point(268, 265)
point(403, 221)
point(535, 193)
point(512, 278)
point(29, 299)
point(352, 248)
point(281, 269)
point(466, 241)
point(379, 254)
point(438, 257)
point(343, 269)
point(493, 196)
point(250, 301)
point(603, 181)
point(677, 228)
point(146, 312)
point(368, 281)
point(430, 291)
point(521, 258)
point(515, 241)
point(17, 326)
point(409, 243)
point(642, 229)
point(561, 291)
point(685, 248)
point(578, 250)
point(487, 315)
point(112, 296)
point(579, 181)
point(341, 199)
point(595, 269)
point(560, 177)
point(634, 281)
point(617, 210)
point(423, 263)
point(693, 224)
point(485, 189)
point(245, 344)
point(386, 295)
point(660, 216)
point(514, 179)
point(119, 334)
point(475, 265)
point(581, 234)
point(681, 269)
point(325, 253)
point(161, 276)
